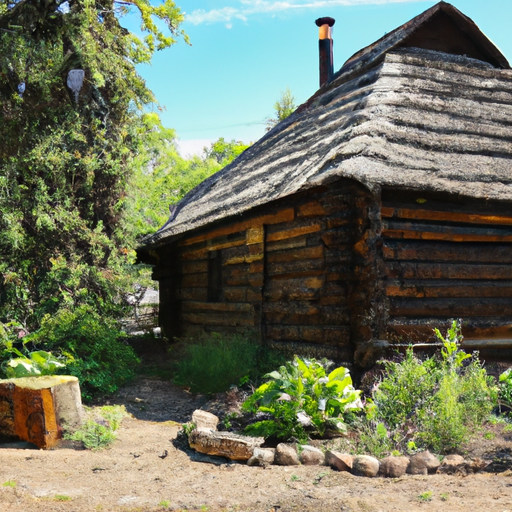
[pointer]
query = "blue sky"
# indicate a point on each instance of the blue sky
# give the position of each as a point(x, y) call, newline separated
point(245, 52)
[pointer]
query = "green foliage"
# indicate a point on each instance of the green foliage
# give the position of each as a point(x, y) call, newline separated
point(65, 164)
point(425, 496)
point(283, 107)
point(99, 430)
point(435, 403)
point(303, 399)
point(224, 152)
point(37, 363)
point(99, 357)
point(505, 388)
point(214, 363)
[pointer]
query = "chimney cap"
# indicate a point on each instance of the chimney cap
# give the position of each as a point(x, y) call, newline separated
point(325, 21)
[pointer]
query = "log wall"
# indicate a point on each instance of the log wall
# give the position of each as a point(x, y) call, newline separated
point(285, 271)
point(445, 260)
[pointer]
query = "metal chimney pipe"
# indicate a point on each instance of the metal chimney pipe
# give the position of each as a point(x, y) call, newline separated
point(325, 48)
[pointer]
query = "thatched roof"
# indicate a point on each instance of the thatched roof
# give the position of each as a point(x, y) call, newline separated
point(393, 116)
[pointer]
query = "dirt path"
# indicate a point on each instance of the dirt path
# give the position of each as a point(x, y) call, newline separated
point(135, 475)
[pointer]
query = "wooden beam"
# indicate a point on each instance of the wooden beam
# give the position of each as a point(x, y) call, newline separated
point(447, 271)
point(256, 222)
point(444, 216)
point(434, 289)
point(307, 253)
point(217, 306)
point(293, 232)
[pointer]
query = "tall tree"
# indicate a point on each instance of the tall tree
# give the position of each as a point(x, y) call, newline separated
point(283, 107)
point(71, 108)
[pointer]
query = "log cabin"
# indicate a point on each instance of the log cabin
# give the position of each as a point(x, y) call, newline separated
point(380, 209)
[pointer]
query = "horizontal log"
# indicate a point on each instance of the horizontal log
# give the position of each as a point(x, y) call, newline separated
point(281, 245)
point(196, 254)
point(295, 267)
point(254, 294)
point(449, 237)
point(449, 289)
point(335, 316)
point(199, 280)
point(293, 289)
point(473, 344)
point(306, 253)
point(399, 331)
point(308, 334)
point(256, 222)
point(215, 245)
point(338, 222)
point(432, 251)
point(293, 232)
point(311, 209)
point(338, 256)
point(249, 258)
point(235, 294)
point(337, 238)
point(215, 319)
point(445, 216)
point(342, 353)
point(452, 308)
point(194, 267)
point(447, 271)
point(236, 276)
point(217, 306)
point(193, 294)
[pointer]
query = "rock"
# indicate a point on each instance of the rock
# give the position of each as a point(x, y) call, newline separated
point(262, 457)
point(423, 463)
point(393, 467)
point(311, 456)
point(454, 465)
point(38, 409)
point(286, 455)
point(339, 461)
point(364, 465)
point(224, 444)
point(204, 420)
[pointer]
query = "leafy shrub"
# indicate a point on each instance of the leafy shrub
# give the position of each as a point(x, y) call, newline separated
point(98, 356)
point(212, 364)
point(436, 403)
point(505, 388)
point(301, 399)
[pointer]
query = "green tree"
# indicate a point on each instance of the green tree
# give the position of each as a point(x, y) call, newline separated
point(283, 107)
point(224, 152)
point(66, 156)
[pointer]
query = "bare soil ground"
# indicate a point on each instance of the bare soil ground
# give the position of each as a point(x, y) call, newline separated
point(147, 469)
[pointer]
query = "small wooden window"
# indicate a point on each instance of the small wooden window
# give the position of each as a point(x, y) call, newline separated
point(214, 276)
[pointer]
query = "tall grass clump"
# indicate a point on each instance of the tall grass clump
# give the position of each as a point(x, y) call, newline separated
point(213, 363)
point(436, 403)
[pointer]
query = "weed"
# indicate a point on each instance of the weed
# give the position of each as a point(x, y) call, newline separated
point(295, 478)
point(98, 433)
point(425, 496)
point(9, 483)
point(507, 429)
point(444, 496)
point(164, 504)
point(226, 421)
point(302, 399)
point(489, 436)
point(62, 497)
point(188, 427)
point(204, 508)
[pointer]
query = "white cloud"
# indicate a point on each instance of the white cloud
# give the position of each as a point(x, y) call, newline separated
point(249, 7)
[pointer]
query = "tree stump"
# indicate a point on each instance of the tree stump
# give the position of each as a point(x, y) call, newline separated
point(38, 409)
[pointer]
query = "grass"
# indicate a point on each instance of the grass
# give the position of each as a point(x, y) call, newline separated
point(9, 483)
point(99, 430)
point(62, 497)
point(215, 362)
point(425, 497)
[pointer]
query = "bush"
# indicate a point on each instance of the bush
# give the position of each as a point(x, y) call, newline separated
point(214, 363)
point(93, 344)
point(302, 400)
point(437, 403)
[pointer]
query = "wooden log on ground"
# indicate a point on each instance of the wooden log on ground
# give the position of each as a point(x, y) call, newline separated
point(38, 409)
point(224, 444)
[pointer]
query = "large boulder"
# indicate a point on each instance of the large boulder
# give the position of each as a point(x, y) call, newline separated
point(311, 456)
point(365, 465)
point(204, 420)
point(423, 463)
point(393, 467)
point(286, 455)
point(39, 409)
point(262, 457)
point(224, 444)
point(339, 461)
